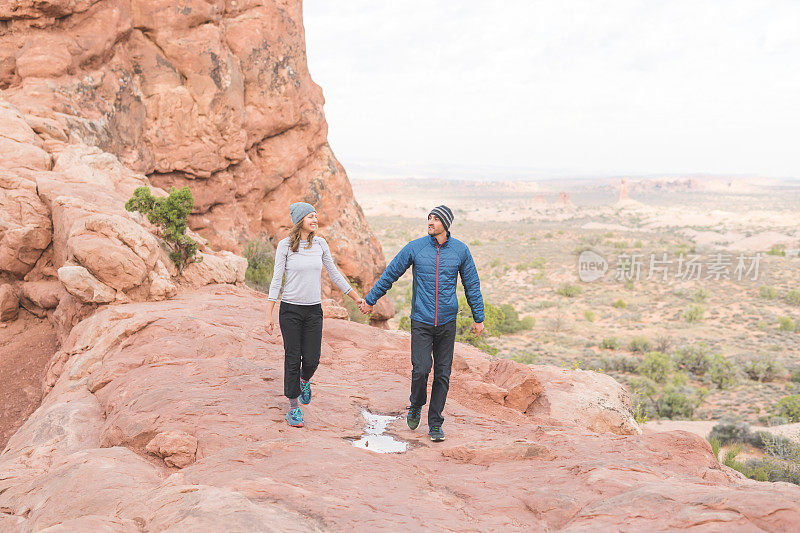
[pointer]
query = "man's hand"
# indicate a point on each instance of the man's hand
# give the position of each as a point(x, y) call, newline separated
point(365, 307)
point(477, 328)
point(270, 325)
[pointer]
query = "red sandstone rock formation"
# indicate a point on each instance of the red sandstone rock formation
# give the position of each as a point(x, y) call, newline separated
point(538, 199)
point(623, 190)
point(169, 414)
point(211, 94)
point(563, 199)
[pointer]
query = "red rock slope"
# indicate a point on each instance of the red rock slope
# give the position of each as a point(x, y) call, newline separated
point(169, 415)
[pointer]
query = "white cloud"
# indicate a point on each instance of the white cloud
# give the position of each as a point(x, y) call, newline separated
point(588, 87)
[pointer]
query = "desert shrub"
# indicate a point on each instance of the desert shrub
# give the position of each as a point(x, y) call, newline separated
point(679, 402)
point(789, 407)
point(694, 358)
point(640, 344)
point(674, 400)
point(639, 409)
point(700, 295)
point(511, 322)
point(524, 358)
point(773, 467)
point(620, 363)
point(722, 371)
point(169, 215)
point(656, 366)
point(620, 304)
point(589, 315)
point(767, 292)
point(693, 313)
point(795, 375)
point(260, 264)
point(569, 290)
point(405, 323)
point(663, 343)
point(731, 431)
point(762, 368)
point(771, 420)
point(493, 320)
point(556, 323)
point(715, 445)
point(610, 343)
point(785, 323)
point(793, 297)
point(777, 249)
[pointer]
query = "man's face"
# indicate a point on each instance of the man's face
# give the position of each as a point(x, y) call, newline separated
point(435, 226)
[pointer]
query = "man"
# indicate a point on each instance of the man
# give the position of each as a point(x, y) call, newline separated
point(437, 261)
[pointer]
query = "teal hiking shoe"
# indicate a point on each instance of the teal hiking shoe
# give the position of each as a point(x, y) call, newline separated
point(412, 418)
point(305, 392)
point(436, 434)
point(295, 417)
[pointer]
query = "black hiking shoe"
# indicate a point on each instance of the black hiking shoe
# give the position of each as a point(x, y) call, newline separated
point(436, 434)
point(412, 418)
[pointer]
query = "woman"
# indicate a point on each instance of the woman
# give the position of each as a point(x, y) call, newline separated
point(301, 256)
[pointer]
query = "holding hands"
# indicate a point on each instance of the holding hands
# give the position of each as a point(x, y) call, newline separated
point(364, 306)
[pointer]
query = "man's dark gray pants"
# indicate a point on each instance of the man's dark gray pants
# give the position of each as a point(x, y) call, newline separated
point(438, 340)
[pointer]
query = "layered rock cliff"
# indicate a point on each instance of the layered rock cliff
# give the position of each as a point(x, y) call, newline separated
point(214, 94)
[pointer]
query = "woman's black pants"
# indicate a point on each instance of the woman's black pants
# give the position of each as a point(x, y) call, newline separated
point(301, 328)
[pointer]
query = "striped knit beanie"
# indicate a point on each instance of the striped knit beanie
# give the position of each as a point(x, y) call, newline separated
point(445, 215)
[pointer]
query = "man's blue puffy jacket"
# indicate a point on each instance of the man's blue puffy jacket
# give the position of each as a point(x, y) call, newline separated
point(435, 270)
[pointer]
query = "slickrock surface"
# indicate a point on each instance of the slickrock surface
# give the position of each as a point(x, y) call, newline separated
point(169, 416)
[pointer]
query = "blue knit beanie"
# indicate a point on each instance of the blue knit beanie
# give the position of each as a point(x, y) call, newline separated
point(299, 210)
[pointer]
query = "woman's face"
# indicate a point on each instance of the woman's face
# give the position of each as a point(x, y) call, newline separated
point(310, 222)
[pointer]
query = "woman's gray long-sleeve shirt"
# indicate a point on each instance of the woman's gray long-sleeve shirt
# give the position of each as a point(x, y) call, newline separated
point(303, 270)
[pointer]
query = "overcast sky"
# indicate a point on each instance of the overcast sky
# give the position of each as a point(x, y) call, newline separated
point(561, 87)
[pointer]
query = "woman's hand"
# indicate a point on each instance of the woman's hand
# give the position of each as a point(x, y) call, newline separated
point(270, 325)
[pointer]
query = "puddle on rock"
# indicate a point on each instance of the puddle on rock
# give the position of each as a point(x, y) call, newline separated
point(375, 440)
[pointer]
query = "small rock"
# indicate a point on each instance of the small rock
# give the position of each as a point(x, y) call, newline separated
point(176, 447)
point(80, 283)
point(9, 303)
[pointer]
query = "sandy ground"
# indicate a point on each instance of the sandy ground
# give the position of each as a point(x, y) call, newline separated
point(26, 347)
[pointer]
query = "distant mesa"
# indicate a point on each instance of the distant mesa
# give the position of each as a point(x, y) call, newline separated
point(538, 199)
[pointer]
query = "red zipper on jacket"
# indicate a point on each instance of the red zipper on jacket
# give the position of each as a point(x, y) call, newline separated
point(436, 298)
